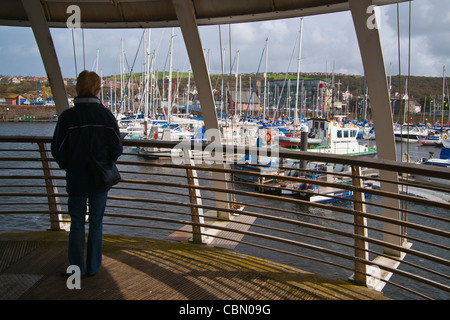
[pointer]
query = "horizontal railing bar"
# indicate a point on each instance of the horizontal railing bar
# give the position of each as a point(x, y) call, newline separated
point(251, 233)
point(349, 176)
point(407, 224)
point(23, 203)
point(148, 209)
point(238, 241)
point(359, 189)
point(252, 244)
point(329, 219)
point(243, 183)
point(32, 177)
point(214, 227)
point(388, 165)
point(19, 150)
point(287, 226)
point(299, 223)
point(323, 218)
point(25, 212)
point(308, 192)
point(314, 193)
point(334, 220)
point(351, 211)
point(316, 182)
point(307, 246)
point(250, 173)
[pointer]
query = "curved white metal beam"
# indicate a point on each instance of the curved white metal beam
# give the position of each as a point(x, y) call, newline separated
point(116, 14)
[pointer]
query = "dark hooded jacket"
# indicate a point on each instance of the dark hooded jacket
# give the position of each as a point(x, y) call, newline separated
point(88, 128)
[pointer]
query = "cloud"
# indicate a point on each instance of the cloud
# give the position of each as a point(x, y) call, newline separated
point(430, 36)
point(328, 40)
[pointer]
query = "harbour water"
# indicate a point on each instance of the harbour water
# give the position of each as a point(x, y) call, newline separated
point(416, 151)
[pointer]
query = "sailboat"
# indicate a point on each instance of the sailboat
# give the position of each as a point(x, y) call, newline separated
point(174, 128)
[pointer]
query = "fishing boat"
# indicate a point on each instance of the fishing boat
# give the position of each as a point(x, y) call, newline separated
point(294, 142)
point(337, 138)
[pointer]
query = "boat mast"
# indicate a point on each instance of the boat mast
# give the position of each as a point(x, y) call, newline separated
point(169, 94)
point(188, 92)
point(121, 77)
point(298, 73)
point(236, 93)
point(265, 80)
point(147, 77)
point(443, 100)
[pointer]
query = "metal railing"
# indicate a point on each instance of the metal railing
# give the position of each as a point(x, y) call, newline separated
point(328, 217)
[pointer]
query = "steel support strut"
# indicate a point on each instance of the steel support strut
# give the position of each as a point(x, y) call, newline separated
point(188, 24)
point(374, 68)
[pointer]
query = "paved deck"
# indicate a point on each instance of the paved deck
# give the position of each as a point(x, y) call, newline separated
point(137, 268)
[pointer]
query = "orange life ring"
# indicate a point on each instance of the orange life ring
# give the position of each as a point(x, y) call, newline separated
point(268, 137)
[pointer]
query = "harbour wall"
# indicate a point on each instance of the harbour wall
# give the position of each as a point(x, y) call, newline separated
point(27, 113)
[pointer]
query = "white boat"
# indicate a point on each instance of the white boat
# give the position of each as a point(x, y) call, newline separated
point(337, 139)
point(433, 139)
point(409, 132)
point(369, 134)
point(446, 140)
point(442, 162)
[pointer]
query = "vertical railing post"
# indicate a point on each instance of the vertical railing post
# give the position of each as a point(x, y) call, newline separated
point(360, 229)
point(195, 199)
point(55, 216)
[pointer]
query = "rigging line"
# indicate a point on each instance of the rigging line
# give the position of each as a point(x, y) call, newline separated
point(221, 65)
point(448, 101)
point(84, 56)
point(409, 72)
point(399, 105)
point(254, 84)
point(405, 203)
point(74, 54)
point(284, 82)
point(132, 66)
point(229, 39)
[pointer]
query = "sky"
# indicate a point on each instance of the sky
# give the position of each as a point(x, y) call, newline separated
point(329, 44)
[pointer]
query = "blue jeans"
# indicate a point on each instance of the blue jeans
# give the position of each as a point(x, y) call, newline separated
point(77, 210)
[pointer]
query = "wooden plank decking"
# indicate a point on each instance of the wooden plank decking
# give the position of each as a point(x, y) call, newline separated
point(137, 268)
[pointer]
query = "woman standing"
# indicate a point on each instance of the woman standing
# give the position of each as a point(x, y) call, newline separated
point(88, 130)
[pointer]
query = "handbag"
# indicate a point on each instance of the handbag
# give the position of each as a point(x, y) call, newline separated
point(104, 173)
